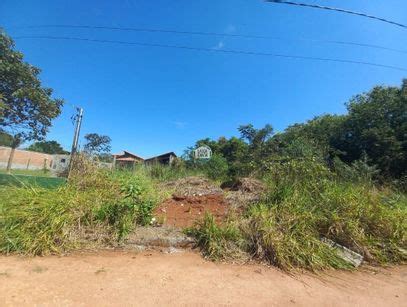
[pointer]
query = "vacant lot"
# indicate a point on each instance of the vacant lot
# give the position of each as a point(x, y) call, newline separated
point(124, 278)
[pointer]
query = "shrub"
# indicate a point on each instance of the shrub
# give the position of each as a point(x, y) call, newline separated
point(306, 202)
point(135, 205)
point(40, 221)
point(168, 172)
point(216, 168)
point(217, 242)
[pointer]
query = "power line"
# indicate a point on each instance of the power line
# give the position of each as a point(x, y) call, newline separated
point(225, 51)
point(217, 34)
point(315, 6)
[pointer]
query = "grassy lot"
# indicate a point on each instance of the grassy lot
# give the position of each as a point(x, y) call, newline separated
point(30, 181)
point(304, 202)
point(39, 173)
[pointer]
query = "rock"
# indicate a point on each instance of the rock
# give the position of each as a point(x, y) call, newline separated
point(158, 237)
point(345, 253)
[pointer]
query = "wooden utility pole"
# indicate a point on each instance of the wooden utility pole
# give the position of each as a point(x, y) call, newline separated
point(74, 149)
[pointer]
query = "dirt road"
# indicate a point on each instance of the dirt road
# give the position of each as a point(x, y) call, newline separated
point(124, 278)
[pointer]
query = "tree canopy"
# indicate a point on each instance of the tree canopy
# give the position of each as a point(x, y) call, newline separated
point(49, 147)
point(373, 132)
point(26, 107)
point(97, 144)
point(5, 139)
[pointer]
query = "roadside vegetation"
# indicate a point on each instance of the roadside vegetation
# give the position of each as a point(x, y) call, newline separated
point(305, 203)
point(337, 177)
point(95, 207)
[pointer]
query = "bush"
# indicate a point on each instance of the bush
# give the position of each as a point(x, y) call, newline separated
point(306, 202)
point(168, 172)
point(135, 205)
point(217, 242)
point(40, 221)
point(216, 168)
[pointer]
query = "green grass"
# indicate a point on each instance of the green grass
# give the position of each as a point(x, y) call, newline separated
point(38, 173)
point(32, 181)
point(306, 202)
point(93, 204)
point(165, 173)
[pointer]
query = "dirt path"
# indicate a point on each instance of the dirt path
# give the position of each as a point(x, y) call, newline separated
point(124, 278)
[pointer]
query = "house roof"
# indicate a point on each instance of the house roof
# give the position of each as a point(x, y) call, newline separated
point(171, 153)
point(129, 153)
point(132, 159)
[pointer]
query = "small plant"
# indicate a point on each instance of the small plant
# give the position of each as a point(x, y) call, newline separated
point(306, 202)
point(217, 242)
point(216, 168)
point(39, 221)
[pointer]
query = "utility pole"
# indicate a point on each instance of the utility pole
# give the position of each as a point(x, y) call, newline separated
point(78, 119)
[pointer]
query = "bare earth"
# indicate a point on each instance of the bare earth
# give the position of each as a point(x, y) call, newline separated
point(126, 278)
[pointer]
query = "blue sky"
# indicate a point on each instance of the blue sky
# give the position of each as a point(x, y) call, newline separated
point(153, 100)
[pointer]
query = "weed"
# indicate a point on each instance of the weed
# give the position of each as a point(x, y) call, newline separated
point(217, 242)
point(305, 202)
point(40, 221)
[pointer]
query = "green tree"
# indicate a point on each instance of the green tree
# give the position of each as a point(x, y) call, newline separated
point(27, 108)
point(49, 147)
point(97, 144)
point(376, 125)
point(258, 149)
point(5, 139)
point(216, 168)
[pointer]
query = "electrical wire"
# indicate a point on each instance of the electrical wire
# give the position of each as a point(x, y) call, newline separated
point(315, 6)
point(225, 51)
point(217, 34)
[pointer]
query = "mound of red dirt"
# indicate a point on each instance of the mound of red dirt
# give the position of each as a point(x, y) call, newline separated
point(184, 211)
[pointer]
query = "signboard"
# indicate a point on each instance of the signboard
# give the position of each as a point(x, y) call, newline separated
point(203, 152)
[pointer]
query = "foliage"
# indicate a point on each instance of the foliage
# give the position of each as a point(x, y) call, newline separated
point(306, 202)
point(27, 108)
point(95, 203)
point(217, 242)
point(376, 125)
point(373, 133)
point(216, 168)
point(161, 172)
point(105, 157)
point(49, 147)
point(135, 206)
point(97, 144)
point(5, 139)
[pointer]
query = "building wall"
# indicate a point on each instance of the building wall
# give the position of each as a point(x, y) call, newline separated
point(24, 159)
point(60, 162)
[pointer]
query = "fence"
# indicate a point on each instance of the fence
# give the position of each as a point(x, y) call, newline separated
point(31, 160)
point(24, 159)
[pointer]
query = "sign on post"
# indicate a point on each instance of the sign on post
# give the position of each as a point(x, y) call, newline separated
point(203, 152)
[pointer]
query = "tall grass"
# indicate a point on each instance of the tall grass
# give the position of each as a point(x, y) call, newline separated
point(306, 202)
point(163, 173)
point(39, 221)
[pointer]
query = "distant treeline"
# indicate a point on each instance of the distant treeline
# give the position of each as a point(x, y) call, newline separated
point(373, 132)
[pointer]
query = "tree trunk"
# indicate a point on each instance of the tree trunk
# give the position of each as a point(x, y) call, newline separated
point(14, 145)
point(10, 159)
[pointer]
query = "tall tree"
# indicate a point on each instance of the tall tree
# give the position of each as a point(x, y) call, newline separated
point(97, 144)
point(376, 125)
point(26, 107)
point(49, 147)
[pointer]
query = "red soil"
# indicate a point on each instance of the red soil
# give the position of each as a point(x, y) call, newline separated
point(184, 211)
